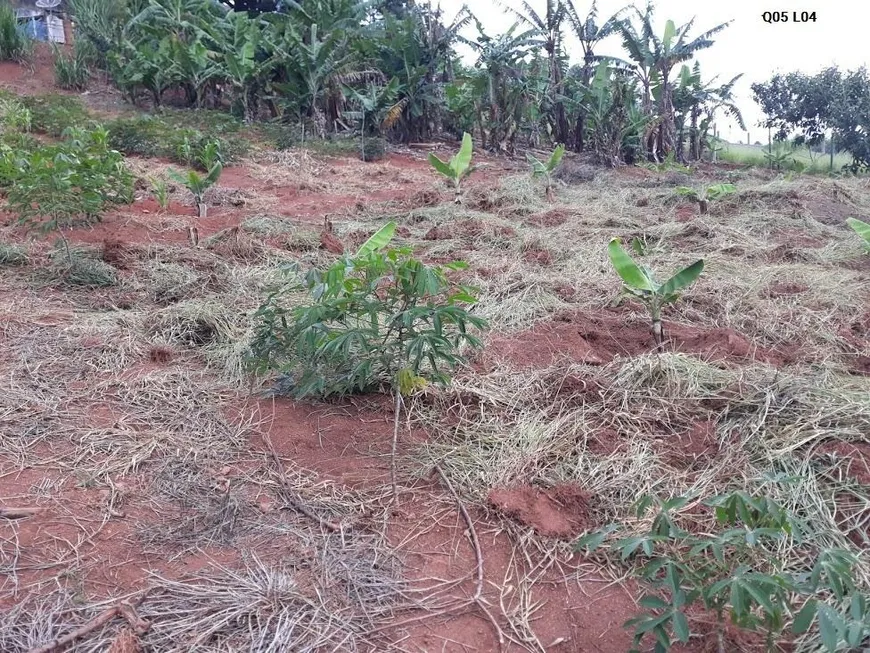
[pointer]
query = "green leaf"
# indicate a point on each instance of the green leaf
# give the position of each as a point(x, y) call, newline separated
point(831, 626)
point(681, 627)
point(651, 602)
point(804, 619)
point(442, 167)
point(626, 268)
point(380, 239)
point(861, 228)
point(462, 160)
point(682, 279)
point(556, 157)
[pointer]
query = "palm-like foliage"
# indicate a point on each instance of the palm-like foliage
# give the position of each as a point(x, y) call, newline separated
point(654, 59)
point(696, 103)
point(548, 27)
point(589, 33)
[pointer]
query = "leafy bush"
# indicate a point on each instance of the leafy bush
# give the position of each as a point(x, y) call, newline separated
point(53, 114)
point(735, 573)
point(71, 72)
point(640, 283)
point(155, 136)
point(15, 45)
point(379, 318)
point(15, 117)
point(56, 185)
point(374, 149)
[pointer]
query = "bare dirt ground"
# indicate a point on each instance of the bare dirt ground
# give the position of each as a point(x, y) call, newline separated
point(147, 470)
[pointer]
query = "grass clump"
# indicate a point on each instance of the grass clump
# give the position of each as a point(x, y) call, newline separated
point(12, 254)
point(15, 45)
point(78, 268)
point(71, 72)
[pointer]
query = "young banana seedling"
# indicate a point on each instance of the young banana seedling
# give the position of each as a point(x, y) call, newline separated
point(640, 283)
point(709, 194)
point(546, 169)
point(458, 168)
point(198, 185)
point(861, 228)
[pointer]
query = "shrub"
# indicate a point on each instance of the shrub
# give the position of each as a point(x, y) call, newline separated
point(15, 45)
point(379, 318)
point(16, 117)
point(71, 72)
point(53, 114)
point(374, 149)
point(735, 572)
point(56, 185)
point(155, 136)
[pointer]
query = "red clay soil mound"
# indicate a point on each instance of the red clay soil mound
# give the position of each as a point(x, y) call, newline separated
point(561, 511)
point(596, 339)
point(551, 218)
point(856, 457)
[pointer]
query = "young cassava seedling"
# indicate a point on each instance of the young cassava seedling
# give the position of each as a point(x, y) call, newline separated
point(640, 283)
point(458, 168)
point(706, 195)
point(197, 184)
point(546, 169)
point(861, 228)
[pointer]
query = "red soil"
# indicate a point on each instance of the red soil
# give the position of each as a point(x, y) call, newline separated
point(561, 511)
point(598, 338)
point(854, 456)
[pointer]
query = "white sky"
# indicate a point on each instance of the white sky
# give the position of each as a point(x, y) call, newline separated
point(749, 45)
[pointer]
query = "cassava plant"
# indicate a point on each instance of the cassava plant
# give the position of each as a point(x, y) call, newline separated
point(733, 570)
point(861, 228)
point(706, 195)
point(458, 168)
point(376, 320)
point(546, 169)
point(198, 184)
point(640, 283)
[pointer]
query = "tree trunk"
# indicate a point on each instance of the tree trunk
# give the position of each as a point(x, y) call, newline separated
point(561, 124)
point(668, 127)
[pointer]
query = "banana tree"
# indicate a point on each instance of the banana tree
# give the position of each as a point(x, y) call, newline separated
point(706, 195)
point(546, 168)
point(198, 184)
point(458, 168)
point(242, 66)
point(376, 109)
point(640, 283)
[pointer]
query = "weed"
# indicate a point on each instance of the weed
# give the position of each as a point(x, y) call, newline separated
point(640, 283)
point(458, 168)
point(546, 169)
point(12, 254)
point(15, 116)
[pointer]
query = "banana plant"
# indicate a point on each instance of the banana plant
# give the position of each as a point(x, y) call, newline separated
point(640, 283)
point(546, 169)
point(198, 184)
point(861, 228)
point(706, 195)
point(458, 168)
